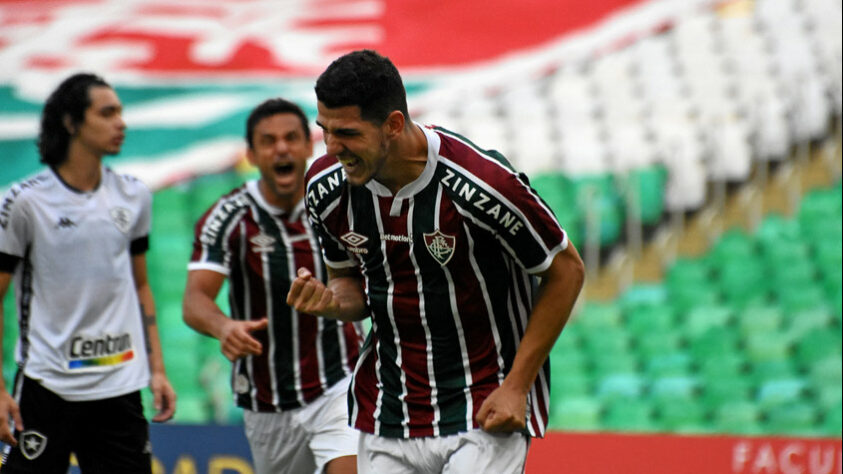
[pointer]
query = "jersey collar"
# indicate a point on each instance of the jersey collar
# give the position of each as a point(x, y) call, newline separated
point(424, 178)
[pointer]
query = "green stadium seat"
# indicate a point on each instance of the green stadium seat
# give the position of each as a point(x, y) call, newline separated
point(734, 245)
point(832, 421)
point(827, 395)
point(610, 363)
point(724, 389)
point(599, 193)
point(798, 418)
point(773, 369)
point(760, 319)
point(818, 344)
point(646, 295)
point(715, 341)
point(828, 369)
point(774, 393)
point(555, 190)
point(564, 361)
point(575, 414)
point(738, 417)
point(794, 299)
point(668, 364)
point(659, 341)
point(704, 317)
point(607, 340)
point(648, 185)
point(776, 230)
point(761, 347)
point(688, 271)
point(818, 317)
point(674, 388)
point(645, 319)
point(635, 415)
point(620, 386)
point(573, 384)
point(681, 416)
point(596, 316)
point(720, 365)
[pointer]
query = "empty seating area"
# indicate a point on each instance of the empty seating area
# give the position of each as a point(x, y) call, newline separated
point(745, 339)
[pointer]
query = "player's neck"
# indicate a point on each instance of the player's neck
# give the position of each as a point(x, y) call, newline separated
point(406, 160)
point(81, 171)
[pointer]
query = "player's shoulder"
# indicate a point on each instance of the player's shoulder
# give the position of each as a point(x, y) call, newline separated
point(27, 189)
point(325, 182)
point(460, 151)
point(230, 202)
point(125, 183)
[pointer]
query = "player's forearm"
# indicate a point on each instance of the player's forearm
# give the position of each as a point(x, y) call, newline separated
point(558, 292)
point(350, 299)
point(150, 328)
point(202, 314)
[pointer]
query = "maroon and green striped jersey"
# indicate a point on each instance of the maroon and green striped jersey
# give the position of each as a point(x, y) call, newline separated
point(259, 247)
point(448, 263)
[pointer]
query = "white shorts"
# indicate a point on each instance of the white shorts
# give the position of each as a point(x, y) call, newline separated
point(463, 453)
point(305, 439)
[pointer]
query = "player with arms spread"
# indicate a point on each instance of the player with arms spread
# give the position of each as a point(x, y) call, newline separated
point(468, 276)
point(290, 371)
point(73, 238)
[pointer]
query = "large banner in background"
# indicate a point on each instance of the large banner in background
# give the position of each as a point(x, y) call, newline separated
point(189, 71)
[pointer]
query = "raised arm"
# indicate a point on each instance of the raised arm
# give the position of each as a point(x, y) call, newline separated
point(200, 312)
point(343, 298)
point(164, 397)
point(9, 409)
point(505, 408)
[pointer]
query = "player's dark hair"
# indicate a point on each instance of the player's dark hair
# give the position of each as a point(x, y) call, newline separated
point(272, 107)
point(71, 98)
point(366, 79)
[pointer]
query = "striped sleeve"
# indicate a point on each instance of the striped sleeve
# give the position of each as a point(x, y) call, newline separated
point(214, 232)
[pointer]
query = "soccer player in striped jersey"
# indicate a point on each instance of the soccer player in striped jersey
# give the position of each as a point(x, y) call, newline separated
point(74, 239)
point(290, 371)
point(466, 272)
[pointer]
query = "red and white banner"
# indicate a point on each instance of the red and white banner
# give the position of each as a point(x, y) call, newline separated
point(610, 453)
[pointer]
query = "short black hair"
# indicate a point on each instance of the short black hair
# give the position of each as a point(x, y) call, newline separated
point(272, 107)
point(366, 79)
point(71, 98)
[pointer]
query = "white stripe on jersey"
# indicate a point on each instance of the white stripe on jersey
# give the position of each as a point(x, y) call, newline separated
point(390, 312)
point(294, 320)
point(466, 362)
point(431, 374)
point(487, 300)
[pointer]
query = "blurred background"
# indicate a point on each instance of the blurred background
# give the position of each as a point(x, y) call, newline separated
point(691, 149)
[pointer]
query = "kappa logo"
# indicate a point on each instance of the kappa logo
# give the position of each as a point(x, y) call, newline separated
point(441, 246)
point(262, 243)
point(355, 240)
point(65, 222)
point(122, 218)
point(32, 444)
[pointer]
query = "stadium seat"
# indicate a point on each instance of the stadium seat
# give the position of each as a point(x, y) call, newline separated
point(798, 418)
point(656, 342)
point(777, 392)
point(625, 415)
point(681, 416)
point(575, 414)
point(738, 417)
point(619, 386)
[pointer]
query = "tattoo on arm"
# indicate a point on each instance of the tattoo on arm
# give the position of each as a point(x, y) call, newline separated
point(148, 321)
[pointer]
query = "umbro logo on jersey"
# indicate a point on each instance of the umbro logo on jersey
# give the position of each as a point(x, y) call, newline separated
point(122, 218)
point(355, 240)
point(262, 243)
point(441, 246)
point(32, 444)
point(65, 222)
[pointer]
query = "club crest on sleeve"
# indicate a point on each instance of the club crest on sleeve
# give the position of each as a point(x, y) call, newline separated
point(32, 444)
point(441, 246)
point(122, 218)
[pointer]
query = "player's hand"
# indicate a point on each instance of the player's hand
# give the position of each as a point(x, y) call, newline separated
point(309, 295)
point(163, 398)
point(236, 340)
point(9, 407)
point(504, 410)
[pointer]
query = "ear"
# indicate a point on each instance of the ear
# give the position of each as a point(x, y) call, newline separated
point(394, 124)
point(68, 124)
point(250, 155)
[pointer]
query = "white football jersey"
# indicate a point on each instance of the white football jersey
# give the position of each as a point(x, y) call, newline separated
point(79, 316)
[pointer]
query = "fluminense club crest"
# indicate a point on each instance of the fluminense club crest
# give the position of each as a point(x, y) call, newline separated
point(441, 246)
